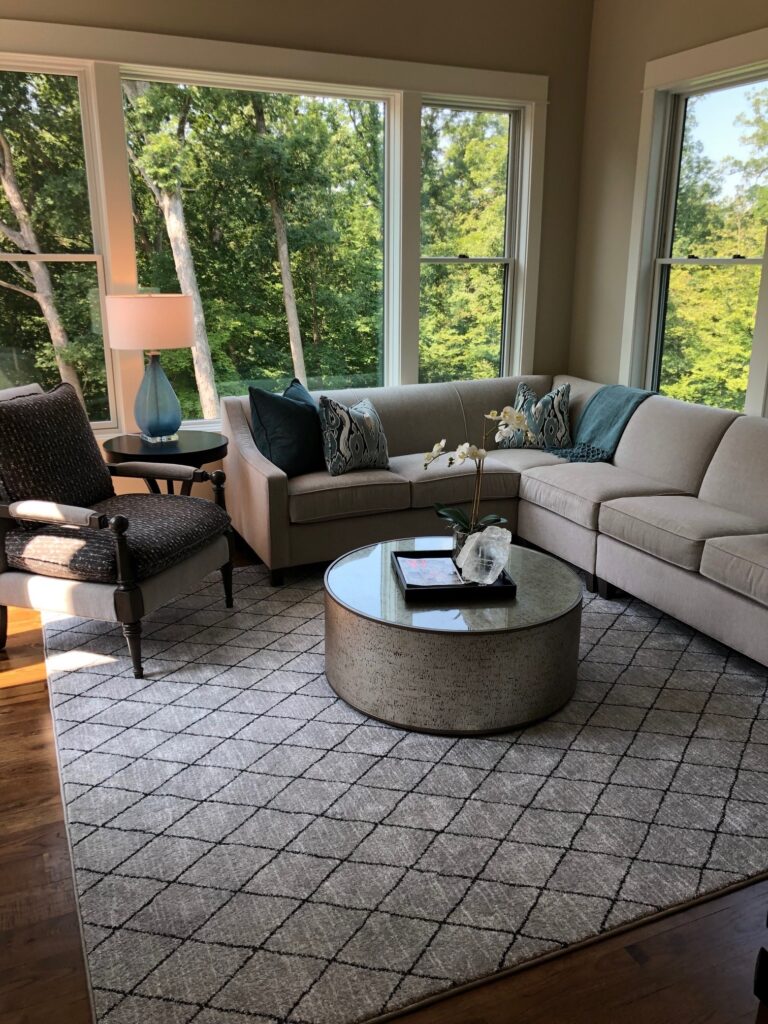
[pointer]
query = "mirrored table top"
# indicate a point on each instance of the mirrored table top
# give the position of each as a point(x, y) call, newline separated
point(364, 581)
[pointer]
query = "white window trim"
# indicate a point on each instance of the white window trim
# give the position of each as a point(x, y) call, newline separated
point(100, 56)
point(728, 62)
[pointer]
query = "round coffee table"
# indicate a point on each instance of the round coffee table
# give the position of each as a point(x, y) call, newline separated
point(457, 668)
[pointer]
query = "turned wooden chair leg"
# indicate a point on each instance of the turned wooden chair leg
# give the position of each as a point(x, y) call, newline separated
point(226, 576)
point(132, 634)
point(3, 627)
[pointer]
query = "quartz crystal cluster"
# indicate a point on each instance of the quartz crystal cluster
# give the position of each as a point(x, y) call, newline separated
point(484, 555)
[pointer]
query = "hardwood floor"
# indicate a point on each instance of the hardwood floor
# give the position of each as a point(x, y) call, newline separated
point(693, 967)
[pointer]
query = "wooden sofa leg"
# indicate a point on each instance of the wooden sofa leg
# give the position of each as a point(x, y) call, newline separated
point(605, 589)
point(590, 581)
point(276, 577)
point(132, 634)
point(3, 627)
point(226, 577)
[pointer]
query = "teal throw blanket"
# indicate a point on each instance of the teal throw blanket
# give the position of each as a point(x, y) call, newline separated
point(602, 423)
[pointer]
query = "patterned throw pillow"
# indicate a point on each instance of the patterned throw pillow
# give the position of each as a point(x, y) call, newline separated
point(547, 419)
point(353, 438)
point(48, 451)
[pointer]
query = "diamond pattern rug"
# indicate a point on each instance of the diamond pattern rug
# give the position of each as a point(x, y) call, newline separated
point(249, 848)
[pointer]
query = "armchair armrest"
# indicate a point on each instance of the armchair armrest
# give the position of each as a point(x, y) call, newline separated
point(53, 514)
point(158, 471)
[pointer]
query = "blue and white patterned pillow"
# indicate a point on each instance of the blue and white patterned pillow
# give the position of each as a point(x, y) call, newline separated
point(353, 438)
point(546, 418)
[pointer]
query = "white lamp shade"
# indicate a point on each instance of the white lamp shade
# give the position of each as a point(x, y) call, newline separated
point(141, 322)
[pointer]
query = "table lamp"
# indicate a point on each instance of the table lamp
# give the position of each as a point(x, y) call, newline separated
point(153, 322)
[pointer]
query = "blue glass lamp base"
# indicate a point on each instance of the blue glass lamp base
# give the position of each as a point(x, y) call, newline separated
point(157, 408)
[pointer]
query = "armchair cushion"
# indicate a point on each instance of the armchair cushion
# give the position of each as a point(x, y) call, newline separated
point(163, 530)
point(48, 451)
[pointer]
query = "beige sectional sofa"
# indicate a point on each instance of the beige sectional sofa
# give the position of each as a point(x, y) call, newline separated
point(679, 518)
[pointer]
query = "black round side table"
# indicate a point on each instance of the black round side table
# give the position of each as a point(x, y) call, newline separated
point(193, 448)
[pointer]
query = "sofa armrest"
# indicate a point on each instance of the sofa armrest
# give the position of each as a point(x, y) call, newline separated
point(158, 471)
point(258, 491)
point(53, 514)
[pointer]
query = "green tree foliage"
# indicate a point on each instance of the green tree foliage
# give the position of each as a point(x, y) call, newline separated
point(710, 311)
point(324, 160)
point(40, 124)
point(463, 202)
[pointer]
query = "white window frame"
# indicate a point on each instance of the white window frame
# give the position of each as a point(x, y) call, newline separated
point(508, 259)
point(739, 60)
point(101, 56)
point(93, 184)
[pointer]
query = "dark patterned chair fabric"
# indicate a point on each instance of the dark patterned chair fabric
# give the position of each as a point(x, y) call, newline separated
point(49, 451)
point(163, 529)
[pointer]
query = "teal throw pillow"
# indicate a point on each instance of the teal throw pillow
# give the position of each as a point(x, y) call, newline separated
point(286, 429)
point(353, 438)
point(547, 420)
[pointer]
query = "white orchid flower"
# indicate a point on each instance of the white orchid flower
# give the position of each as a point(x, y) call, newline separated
point(470, 451)
point(437, 451)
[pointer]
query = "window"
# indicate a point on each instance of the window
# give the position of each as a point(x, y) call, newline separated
point(290, 208)
point(268, 209)
point(50, 277)
point(466, 241)
point(712, 245)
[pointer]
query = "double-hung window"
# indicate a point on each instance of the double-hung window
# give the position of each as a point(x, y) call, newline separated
point(469, 185)
point(712, 243)
point(51, 280)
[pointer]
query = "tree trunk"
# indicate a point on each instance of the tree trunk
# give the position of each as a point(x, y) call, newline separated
point(45, 299)
point(284, 258)
point(25, 239)
point(171, 205)
point(172, 209)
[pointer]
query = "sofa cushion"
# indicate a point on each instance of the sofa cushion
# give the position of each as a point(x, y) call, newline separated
point(163, 529)
point(315, 497)
point(413, 417)
point(48, 451)
point(672, 441)
point(739, 563)
point(737, 476)
point(576, 490)
point(673, 527)
point(481, 396)
point(446, 484)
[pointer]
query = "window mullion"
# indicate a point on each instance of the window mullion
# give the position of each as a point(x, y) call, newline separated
point(105, 139)
point(756, 400)
point(401, 363)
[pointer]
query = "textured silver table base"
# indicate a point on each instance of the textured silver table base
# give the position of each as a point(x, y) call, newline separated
point(451, 682)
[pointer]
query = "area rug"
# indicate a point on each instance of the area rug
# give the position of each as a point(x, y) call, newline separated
point(249, 848)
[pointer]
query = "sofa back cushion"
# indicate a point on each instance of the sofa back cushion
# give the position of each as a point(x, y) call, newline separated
point(48, 451)
point(480, 396)
point(672, 442)
point(581, 391)
point(737, 476)
point(413, 417)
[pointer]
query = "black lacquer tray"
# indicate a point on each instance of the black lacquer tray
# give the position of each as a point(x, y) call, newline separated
point(425, 576)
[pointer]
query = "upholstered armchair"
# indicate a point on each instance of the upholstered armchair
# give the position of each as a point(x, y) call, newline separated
point(69, 544)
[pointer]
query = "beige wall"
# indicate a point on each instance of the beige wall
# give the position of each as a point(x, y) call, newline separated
point(625, 35)
point(548, 37)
